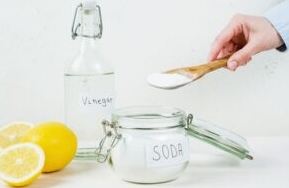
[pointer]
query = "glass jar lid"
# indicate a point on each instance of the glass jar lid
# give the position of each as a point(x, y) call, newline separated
point(148, 117)
point(219, 137)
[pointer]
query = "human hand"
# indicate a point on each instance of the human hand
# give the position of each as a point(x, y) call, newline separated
point(244, 36)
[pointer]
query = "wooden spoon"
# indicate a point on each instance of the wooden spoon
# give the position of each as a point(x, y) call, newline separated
point(175, 78)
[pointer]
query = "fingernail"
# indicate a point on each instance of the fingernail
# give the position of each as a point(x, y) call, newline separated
point(232, 65)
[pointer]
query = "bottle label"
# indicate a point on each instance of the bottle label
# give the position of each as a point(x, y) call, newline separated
point(92, 102)
point(168, 152)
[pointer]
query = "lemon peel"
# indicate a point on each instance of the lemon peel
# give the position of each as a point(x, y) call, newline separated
point(58, 142)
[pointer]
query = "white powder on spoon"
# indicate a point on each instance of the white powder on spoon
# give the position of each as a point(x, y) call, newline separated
point(168, 81)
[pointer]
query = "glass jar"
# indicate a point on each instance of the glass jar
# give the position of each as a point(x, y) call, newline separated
point(150, 144)
point(154, 146)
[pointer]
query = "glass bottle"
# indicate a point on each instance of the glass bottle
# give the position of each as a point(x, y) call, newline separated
point(89, 79)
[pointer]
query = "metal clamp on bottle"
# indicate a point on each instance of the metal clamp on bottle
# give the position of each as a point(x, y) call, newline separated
point(75, 27)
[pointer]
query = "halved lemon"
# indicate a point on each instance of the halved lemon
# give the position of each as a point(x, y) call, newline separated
point(13, 133)
point(21, 164)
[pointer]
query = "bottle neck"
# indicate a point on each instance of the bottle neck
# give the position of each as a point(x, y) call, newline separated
point(88, 44)
point(87, 30)
point(90, 31)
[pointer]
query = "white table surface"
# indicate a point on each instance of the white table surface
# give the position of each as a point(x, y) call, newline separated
point(209, 167)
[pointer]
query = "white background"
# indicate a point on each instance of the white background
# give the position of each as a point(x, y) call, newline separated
point(141, 37)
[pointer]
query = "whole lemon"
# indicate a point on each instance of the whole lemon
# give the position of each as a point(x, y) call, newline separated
point(58, 142)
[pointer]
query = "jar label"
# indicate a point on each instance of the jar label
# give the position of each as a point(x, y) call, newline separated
point(92, 102)
point(168, 152)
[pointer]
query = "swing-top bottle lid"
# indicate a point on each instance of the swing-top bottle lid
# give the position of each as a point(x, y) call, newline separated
point(87, 20)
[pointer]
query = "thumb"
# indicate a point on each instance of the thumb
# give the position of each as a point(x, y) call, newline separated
point(241, 57)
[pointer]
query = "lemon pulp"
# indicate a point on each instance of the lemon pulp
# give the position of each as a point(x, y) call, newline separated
point(13, 133)
point(21, 164)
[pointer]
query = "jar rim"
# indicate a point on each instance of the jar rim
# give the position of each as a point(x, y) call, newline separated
point(148, 117)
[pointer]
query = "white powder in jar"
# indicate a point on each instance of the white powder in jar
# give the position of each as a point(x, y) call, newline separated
point(154, 158)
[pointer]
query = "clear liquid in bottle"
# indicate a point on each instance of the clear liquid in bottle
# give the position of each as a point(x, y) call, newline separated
point(90, 100)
